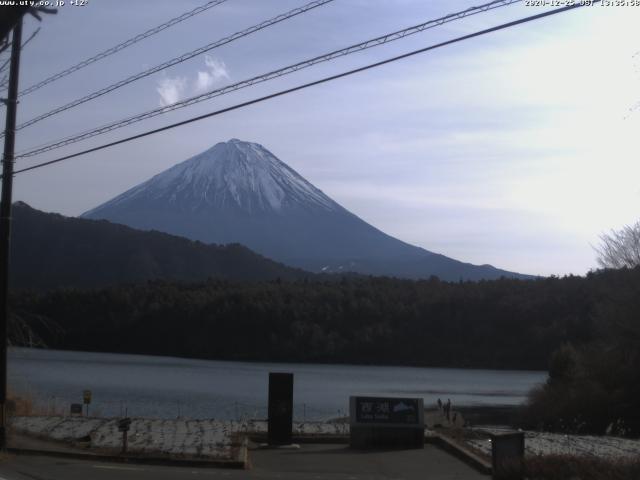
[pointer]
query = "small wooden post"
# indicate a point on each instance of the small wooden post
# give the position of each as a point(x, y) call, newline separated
point(123, 426)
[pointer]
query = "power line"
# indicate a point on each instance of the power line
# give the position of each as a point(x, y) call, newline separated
point(390, 37)
point(4, 83)
point(122, 46)
point(4, 44)
point(307, 85)
point(176, 60)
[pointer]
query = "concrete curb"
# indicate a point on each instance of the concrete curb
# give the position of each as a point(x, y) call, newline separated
point(241, 461)
point(311, 438)
point(464, 454)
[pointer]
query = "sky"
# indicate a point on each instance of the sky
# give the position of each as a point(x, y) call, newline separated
point(516, 149)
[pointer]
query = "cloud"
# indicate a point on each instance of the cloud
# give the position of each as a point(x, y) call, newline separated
point(171, 89)
point(216, 70)
point(174, 89)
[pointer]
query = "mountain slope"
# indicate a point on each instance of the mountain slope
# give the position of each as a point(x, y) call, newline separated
point(240, 192)
point(50, 250)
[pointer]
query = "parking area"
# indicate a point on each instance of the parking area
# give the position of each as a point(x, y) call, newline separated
point(338, 461)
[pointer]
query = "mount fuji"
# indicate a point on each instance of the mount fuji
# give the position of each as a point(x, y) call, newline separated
point(239, 192)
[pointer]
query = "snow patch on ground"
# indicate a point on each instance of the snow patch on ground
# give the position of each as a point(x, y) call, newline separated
point(217, 439)
point(543, 443)
point(306, 428)
point(192, 438)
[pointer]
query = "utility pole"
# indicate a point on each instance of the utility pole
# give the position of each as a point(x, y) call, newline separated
point(5, 220)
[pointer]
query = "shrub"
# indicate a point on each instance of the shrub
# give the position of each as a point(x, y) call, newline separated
point(565, 467)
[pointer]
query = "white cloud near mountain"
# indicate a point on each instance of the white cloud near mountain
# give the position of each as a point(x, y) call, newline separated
point(216, 71)
point(171, 89)
point(174, 89)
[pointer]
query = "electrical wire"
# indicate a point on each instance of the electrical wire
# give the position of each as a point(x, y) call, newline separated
point(390, 37)
point(175, 61)
point(122, 46)
point(4, 83)
point(310, 84)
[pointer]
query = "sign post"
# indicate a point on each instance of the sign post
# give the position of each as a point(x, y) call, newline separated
point(76, 409)
point(86, 399)
point(386, 422)
point(123, 425)
point(280, 408)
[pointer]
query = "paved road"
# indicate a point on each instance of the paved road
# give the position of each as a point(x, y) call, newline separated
point(311, 462)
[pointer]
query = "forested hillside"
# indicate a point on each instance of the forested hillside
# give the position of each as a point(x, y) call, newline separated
point(51, 251)
point(495, 324)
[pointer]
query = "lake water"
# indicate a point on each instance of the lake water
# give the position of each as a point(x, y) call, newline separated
point(168, 387)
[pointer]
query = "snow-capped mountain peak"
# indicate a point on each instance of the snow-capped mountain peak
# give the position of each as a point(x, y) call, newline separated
point(239, 192)
point(233, 174)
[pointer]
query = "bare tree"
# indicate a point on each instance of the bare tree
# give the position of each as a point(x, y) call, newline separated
point(620, 248)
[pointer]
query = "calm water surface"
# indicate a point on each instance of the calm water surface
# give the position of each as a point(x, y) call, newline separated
point(169, 387)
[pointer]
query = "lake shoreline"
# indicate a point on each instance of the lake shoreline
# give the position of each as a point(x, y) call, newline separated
point(168, 387)
point(287, 362)
point(507, 415)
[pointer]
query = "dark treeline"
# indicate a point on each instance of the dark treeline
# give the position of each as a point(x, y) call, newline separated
point(49, 250)
point(505, 323)
point(594, 387)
